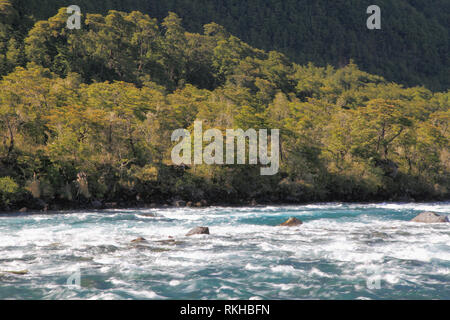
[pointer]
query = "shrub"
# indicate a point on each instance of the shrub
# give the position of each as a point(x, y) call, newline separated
point(8, 191)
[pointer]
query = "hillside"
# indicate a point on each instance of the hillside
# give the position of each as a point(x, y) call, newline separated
point(412, 48)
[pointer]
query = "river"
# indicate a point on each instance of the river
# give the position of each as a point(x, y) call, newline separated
point(342, 251)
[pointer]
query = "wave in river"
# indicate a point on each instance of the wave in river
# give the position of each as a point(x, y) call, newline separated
point(342, 251)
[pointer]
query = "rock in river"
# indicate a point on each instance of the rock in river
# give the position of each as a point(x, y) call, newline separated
point(291, 222)
point(20, 272)
point(430, 217)
point(198, 230)
point(138, 240)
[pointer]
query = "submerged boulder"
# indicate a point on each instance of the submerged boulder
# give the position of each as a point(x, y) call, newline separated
point(138, 240)
point(169, 241)
point(149, 215)
point(291, 222)
point(198, 230)
point(430, 217)
point(20, 272)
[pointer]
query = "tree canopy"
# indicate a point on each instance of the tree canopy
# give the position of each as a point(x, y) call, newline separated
point(88, 114)
point(411, 48)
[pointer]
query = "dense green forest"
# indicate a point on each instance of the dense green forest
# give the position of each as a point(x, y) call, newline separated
point(87, 115)
point(412, 48)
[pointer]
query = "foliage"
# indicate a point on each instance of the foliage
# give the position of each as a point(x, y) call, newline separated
point(91, 117)
point(411, 48)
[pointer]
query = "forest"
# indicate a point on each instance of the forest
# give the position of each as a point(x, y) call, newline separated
point(412, 47)
point(86, 118)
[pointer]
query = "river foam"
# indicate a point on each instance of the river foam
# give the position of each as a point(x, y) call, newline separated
point(342, 251)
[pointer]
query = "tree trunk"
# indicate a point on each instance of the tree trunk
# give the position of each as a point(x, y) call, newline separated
point(11, 138)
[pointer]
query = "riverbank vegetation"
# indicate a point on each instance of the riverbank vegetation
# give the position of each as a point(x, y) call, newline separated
point(86, 117)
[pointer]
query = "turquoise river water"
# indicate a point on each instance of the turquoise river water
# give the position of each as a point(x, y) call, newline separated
point(342, 251)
